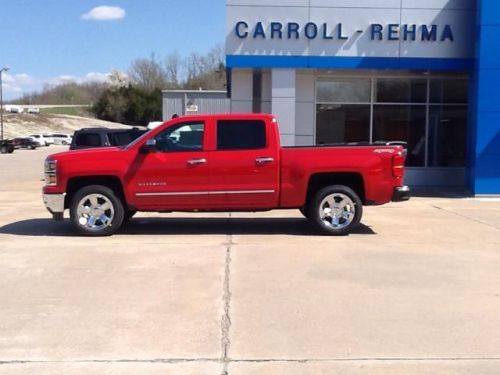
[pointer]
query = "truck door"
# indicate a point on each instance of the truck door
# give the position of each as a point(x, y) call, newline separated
point(245, 165)
point(176, 176)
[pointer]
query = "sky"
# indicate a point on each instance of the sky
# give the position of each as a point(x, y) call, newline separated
point(52, 41)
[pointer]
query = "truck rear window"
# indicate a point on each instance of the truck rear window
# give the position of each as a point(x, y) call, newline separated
point(241, 134)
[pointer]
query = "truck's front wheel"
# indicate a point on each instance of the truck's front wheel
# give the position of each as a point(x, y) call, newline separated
point(96, 211)
point(335, 210)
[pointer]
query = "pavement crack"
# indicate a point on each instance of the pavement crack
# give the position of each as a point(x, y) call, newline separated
point(226, 298)
point(464, 216)
point(108, 361)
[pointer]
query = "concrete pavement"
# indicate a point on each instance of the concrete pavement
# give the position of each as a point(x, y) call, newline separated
point(416, 290)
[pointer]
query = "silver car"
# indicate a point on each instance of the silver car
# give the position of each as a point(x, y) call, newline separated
point(62, 139)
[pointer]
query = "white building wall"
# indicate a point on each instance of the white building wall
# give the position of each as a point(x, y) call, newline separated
point(241, 91)
point(305, 109)
point(283, 92)
point(356, 18)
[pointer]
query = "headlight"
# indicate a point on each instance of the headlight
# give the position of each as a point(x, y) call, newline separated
point(50, 172)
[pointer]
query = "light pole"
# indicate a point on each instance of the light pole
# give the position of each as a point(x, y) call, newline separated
point(4, 69)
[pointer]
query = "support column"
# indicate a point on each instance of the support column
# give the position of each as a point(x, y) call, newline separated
point(242, 91)
point(484, 130)
point(283, 94)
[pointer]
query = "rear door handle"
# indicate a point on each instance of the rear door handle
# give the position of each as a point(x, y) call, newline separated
point(261, 161)
point(194, 162)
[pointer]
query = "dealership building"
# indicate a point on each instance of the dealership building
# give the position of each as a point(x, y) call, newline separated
point(423, 72)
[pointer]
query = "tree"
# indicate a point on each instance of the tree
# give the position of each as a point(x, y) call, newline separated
point(206, 72)
point(172, 70)
point(118, 79)
point(148, 74)
point(130, 105)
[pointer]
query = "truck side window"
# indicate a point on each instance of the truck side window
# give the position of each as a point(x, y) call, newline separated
point(241, 134)
point(182, 137)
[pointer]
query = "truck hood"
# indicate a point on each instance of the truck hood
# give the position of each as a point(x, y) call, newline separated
point(87, 154)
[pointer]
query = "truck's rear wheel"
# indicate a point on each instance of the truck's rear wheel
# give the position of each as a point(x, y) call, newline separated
point(335, 210)
point(3, 149)
point(96, 211)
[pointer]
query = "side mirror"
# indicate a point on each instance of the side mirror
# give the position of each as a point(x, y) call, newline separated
point(149, 146)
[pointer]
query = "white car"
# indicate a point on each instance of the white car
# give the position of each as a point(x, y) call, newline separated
point(14, 109)
point(35, 110)
point(62, 139)
point(42, 139)
point(49, 139)
point(37, 139)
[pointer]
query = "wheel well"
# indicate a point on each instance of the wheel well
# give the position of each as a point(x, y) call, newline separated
point(77, 183)
point(321, 180)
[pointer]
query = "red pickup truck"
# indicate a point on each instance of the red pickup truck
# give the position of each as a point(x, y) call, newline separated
point(224, 162)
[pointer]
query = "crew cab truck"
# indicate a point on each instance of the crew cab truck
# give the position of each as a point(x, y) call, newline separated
point(230, 162)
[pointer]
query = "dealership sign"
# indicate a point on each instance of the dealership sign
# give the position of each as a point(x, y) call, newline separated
point(326, 31)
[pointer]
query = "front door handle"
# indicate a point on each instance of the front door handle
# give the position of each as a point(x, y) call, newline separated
point(194, 162)
point(261, 161)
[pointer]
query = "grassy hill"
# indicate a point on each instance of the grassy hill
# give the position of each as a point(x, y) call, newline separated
point(24, 124)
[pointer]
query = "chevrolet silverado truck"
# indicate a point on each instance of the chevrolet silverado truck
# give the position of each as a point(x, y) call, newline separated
point(223, 163)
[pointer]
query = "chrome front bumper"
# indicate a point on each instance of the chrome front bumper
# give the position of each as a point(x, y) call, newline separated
point(55, 204)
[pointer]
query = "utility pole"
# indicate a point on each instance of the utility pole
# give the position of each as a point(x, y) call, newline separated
point(4, 69)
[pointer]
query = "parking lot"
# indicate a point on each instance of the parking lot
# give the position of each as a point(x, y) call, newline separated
point(416, 290)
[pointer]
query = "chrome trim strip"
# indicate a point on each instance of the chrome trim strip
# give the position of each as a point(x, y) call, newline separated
point(242, 192)
point(205, 193)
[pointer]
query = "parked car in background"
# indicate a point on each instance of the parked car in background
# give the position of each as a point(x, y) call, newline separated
point(49, 139)
point(14, 109)
point(6, 146)
point(104, 137)
point(62, 139)
point(42, 139)
point(34, 110)
point(27, 143)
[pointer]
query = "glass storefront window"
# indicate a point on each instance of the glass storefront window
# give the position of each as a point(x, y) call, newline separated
point(447, 136)
point(428, 113)
point(397, 90)
point(356, 90)
point(337, 123)
point(402, 123)
point(449, 91)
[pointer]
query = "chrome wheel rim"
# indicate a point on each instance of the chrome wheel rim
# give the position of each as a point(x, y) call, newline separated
point(95, 212)
point(337, 211)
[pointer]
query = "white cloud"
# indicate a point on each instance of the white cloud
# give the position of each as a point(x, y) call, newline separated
point(89, 77)
point(7, 78)
point(16, 84)
point(96, 77)
point(104, 13)
point(8, 88)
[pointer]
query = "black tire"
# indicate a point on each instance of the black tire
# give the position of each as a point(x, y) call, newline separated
point(3, 149)
point(129, 215)
point(64, 143)
point(115, 214)
point(10, 150)
point(336, 224)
